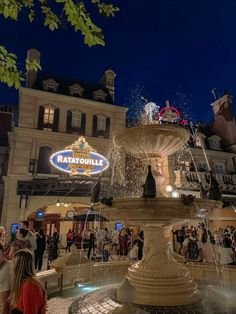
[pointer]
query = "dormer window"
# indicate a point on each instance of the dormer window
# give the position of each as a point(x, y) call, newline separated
point(200, 140)
point(100, 95)
point(50, 85)
point(76, 90)
point(214, 142)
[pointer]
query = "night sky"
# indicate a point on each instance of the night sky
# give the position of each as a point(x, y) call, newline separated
point(160, 49)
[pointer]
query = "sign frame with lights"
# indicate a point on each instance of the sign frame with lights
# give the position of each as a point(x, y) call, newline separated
point(79, 159)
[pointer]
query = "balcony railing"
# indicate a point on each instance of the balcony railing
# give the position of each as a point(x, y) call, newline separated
point(190, 180)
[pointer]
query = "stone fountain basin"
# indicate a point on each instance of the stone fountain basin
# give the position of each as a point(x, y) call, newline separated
point(153, 140)
point(162, 210)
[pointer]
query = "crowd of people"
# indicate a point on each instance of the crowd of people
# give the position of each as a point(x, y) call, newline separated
point(103, 244)
point(20, 290)
point(201, 245)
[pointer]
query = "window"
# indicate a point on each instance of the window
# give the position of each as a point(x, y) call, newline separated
point(214, 143)
point(43, 164)
point(219, 168)
point(50, 85)
point(198, 141)
point(185, 166)
point(76, 90)
point(100, 95)
point(201, 167)
point(101, 124)
point(48, 118)
point(76, 119)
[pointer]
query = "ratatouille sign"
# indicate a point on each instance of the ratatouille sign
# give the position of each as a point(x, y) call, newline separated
point(79, 159)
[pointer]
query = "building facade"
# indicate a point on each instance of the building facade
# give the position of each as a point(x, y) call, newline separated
point(53, 113)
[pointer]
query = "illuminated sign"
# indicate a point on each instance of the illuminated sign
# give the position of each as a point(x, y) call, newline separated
point(39, 214)
point(169, 113)
point(79, 159)
point(15, 227)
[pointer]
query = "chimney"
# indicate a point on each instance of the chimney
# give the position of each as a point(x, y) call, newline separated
point(31, 76)
point(223, 106)
point(108, 79)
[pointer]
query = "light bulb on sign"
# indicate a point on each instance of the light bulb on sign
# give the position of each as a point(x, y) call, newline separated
point(169, 188)
point(175, 194)
point(58, 203)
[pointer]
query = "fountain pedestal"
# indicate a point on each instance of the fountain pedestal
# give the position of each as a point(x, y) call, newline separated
point(158, 279)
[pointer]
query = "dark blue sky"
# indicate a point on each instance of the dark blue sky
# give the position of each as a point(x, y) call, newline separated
point(161, 46)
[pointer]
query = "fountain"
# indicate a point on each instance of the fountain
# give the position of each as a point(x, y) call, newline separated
point(158, 280)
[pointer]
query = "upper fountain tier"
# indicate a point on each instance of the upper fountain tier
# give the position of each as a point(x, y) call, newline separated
point(153, 140)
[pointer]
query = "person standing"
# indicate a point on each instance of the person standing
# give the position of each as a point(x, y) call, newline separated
point(30, 235)
point(123, 243)
point(5, 283)
point(21, 242)
point(52, 247)
point(38, 253)
point(27, 295)
point(70, 238)
point(91, 243)
point(192, 248)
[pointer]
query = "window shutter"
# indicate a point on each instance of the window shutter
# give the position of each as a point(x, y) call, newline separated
point(68, 122)
point(107, 132)
point(95, 122)
point(43, 165)
point(83, 123)
point(40, 120)
point(56, 120)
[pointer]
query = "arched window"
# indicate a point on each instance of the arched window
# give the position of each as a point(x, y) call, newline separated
point(43, 164)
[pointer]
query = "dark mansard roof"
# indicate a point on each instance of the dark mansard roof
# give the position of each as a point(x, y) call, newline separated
point(65, 83)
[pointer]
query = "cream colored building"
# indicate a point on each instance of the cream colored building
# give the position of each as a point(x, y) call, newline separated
point(53, 113)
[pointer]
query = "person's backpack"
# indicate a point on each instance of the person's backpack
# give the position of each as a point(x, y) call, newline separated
point(192, 252)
